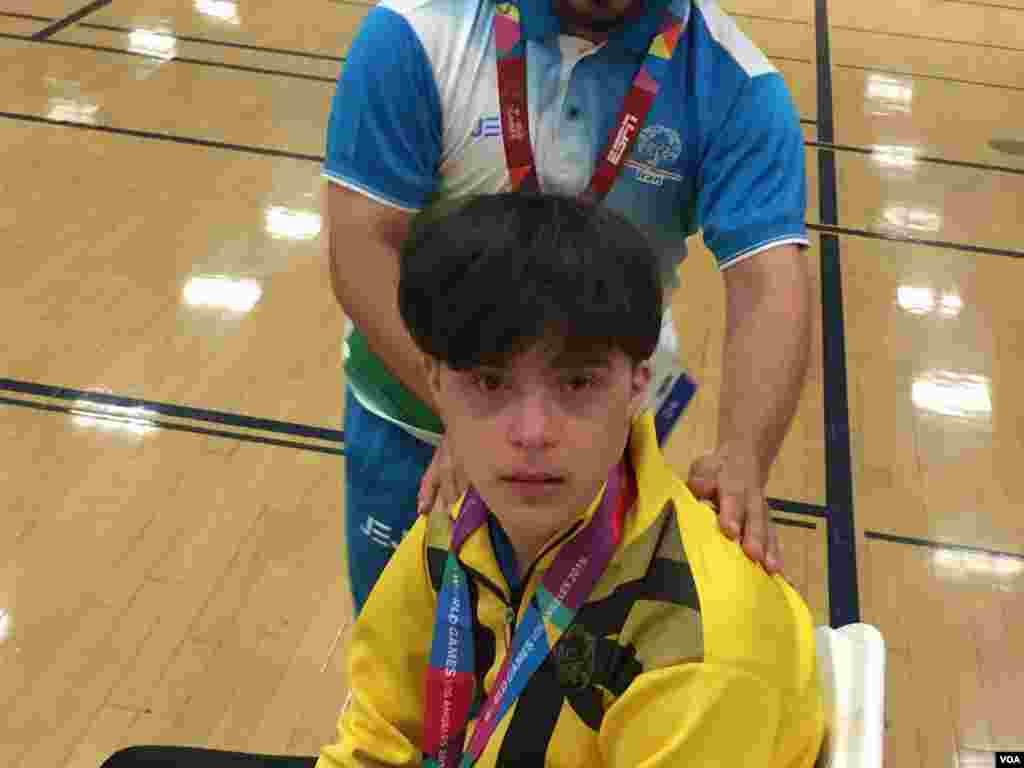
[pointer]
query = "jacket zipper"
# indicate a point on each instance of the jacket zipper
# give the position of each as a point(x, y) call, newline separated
point(513, 603)
point(517, 594)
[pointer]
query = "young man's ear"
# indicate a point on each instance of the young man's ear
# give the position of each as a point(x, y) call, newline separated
point(638, 387)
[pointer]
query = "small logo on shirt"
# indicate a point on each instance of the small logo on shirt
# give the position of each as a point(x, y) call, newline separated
point(657, 147)
point(576, 658)
point(486, 126)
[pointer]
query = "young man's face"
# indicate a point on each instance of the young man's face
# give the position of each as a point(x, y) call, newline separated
point(538, 437)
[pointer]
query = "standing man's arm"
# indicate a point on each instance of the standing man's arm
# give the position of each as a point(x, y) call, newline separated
point(363, 241)
point(752, 201)
point(767, 342)
point(383, 150)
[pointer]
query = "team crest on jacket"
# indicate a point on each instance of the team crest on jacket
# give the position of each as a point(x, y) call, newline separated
point(575, 658)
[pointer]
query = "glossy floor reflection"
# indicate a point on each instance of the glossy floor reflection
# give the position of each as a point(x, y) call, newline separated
point(934, 341)
point(174, 559)
point(910, 118)
point(194, 599)
point(318, 28)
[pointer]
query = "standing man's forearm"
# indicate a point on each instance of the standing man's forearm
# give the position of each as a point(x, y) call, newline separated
point(765, 355)
point(364, 238)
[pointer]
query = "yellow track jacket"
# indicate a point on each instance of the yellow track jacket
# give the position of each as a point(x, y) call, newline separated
point(687, 653)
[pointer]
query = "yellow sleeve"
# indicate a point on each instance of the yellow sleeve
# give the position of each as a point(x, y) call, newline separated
point(382, 722)
point(692, 714)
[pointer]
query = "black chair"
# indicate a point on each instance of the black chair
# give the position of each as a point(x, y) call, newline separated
point(194, 757)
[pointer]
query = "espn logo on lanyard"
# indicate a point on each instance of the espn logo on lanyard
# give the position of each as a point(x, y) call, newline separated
point(626, 130)
point(514, 121)
point(510, 46)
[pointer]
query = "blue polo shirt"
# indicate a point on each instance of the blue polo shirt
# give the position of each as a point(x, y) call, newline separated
point(416, 119)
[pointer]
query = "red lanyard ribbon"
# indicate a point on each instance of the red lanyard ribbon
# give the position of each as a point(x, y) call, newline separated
point(515, 121)
point(564, 588)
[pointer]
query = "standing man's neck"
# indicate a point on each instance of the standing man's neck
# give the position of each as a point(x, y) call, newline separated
point(596, 31)
point(587, 34)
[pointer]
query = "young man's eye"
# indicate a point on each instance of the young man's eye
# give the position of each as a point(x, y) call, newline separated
point(487, 382)
point(582, 382)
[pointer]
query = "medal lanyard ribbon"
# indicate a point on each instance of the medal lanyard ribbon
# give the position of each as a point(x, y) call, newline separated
point(451, 680)
point(515, 120)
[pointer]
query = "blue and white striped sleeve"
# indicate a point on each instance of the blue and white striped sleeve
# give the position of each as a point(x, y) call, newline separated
point(384, 130)
point(753, 186)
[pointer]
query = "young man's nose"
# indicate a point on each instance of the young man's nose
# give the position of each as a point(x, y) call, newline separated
point(534, 421)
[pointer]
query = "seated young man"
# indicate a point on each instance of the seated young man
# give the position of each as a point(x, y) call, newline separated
point(577, 607)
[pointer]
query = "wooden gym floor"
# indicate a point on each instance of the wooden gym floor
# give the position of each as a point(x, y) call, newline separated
point(171, 532)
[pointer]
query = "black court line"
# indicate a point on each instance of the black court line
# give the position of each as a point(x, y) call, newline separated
point(1017, 8)
point(844, 598)
point(967, 247)
point(257, 70)
point(67, 21)
point(940, 545)
point(901, 73)
point(795, 523)
point(922, 158)
point(212, 63)
point(227, 44)
point(84, 397)
point(797, 508)
point(26, 16)
point(172, 60)
point(797, 59)
point(922, 76)
point(157, 423)
point(189, 39)
point(170, 136)
point(800, 22)
point(162, 137)
point(908, 36)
